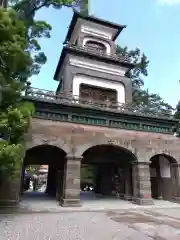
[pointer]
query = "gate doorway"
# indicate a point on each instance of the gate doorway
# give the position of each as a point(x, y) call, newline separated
point(43, 173)
point(164, 181)
point(106, 173)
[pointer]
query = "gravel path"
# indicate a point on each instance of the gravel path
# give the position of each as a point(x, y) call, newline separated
point(66, 226)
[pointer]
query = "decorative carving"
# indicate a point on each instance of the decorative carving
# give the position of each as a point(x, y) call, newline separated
point(111, 141)
point(89, 120)
point(119, 142)
point(88, 92)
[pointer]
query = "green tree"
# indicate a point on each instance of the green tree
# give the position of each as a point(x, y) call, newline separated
point(177, 113)
point(27, 10)
point(33, 169)
point(15, 64)
point(152, 102)
point(177, 116)
point(141, 63)
point(87, 175)
point(141, 97)
point(20, 58)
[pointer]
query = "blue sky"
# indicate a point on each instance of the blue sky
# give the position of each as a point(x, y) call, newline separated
point(152, 25)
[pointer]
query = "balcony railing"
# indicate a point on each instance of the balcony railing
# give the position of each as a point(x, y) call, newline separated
point(99, 52)
point(66, 98)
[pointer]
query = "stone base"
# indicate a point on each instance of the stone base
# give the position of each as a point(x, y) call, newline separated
point(70, 202)
point(143, 201)
point(127, 197)
point(9, 203)
point(10, 192)
point(176, 200)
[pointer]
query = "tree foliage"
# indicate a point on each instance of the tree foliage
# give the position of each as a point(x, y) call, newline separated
point(177, 116)
point(20, 58)
point(26, 11)
point(152, 101)
point(141, 63)
point(87, 175)
point(28, 8)
point(15, 64)
point(142, 97)
point(33, 169)
point(177, 113)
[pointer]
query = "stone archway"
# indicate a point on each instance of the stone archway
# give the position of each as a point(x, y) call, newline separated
point(164, 177)
point(55, 158)
point(112, 167)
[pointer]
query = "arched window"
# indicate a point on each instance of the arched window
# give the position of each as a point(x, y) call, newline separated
point(96, 46)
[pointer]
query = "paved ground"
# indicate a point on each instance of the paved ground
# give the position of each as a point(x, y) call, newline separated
point(122, 225)
point(42, 203)
point(43, 219)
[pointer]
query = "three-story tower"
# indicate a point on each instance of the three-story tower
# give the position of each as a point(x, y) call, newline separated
point(89, 68)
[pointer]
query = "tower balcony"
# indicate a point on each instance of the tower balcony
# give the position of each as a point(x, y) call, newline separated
point(65, 107)
point(67, 98)
point(96, 52)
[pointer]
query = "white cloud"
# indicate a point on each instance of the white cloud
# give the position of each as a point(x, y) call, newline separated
point(168, 2)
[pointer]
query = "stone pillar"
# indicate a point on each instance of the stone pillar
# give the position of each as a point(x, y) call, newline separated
point(176, 179)
point(141, 183)
point(22, 179)
point(59, 184)
point(128, 183)
point(120, 182)
point(71, 183)
point(10, 189)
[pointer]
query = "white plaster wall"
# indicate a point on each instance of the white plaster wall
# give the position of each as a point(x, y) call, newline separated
point(165, 169)
point(97, 66)
point(119, 87)
point(104, 32)
point(108, 48)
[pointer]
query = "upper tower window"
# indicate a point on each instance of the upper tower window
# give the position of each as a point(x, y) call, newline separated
point(95, 93)
point(97, 45)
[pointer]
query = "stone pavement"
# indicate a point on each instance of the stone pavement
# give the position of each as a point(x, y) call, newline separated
point(42, 218)
point(159, 224)
point(43, 203)
point(134, 224)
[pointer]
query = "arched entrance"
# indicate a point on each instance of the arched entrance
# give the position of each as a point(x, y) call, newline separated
point(111, 171)
point(164, 177)
point(55, 159)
